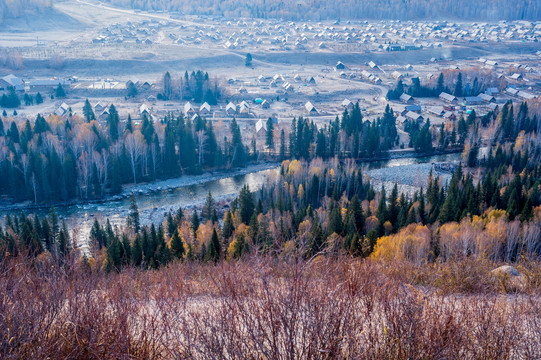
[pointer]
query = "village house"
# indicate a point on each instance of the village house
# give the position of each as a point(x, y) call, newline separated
point(511, 91)
point(347, 104)
point(144, 110)
point(406, 99)
point(46, 85)
point(525, 95)
point(397, 75)
point(449, 116)
point(11, 81)
point(414, 108)
point(436, 110)
point(188, 109)
point(448, 97)
point(104, 114)
point(410, 115)
point(310, 108)
point(204, 109)
point(231, 109)
point(260, 128)
point(473, 100)
point(62, 109)
point(244, 110)
point(487, 98)
point(492, 106)
point(400, 120)
point(99, 107)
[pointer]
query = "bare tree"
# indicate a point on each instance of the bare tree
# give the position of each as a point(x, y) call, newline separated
point(134, 143)
point(201, 142)
point(84, 172)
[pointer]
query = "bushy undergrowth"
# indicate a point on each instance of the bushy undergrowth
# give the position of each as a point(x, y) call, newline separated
point(262, 308)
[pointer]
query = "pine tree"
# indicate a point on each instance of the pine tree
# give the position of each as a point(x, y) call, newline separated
point(209, 208)
point(195, 223)
point(177, 246)
point(60, 93)
point(137, 251)
point(282, 145)
point(167, 86)
point(39, 98)
point(88, 112)
point(133, 216)
point(246, 204)
point(113, 121)
point(440, 87)
point(269, 138)
point(132, 90)
point(459, 86)
point(64, 242)
point(228, 228)
point(129, 124)
point(214, 249)
point(335, 220)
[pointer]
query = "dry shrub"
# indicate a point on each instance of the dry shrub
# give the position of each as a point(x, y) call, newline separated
point(261, 308)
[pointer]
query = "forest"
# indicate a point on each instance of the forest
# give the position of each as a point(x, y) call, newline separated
point(79, 158)
point(318, 263)
point(74, 158)
point(12, 9)
point(349, 9)
point(328, 206)
point(70, 157)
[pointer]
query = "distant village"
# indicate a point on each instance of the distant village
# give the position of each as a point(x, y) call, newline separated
point(321, 92)
point(281, 35)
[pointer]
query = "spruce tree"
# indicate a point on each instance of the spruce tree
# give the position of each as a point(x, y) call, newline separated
point(195, 223)
point(459, 86)
point(137, 251)
point(177, 246)
point(209, 208)
point(269, 137)
point(214, 249)
point(60, 93)
point(228, 226)
point(133, 216)
point(282, 145)
point(246, 204)
point(88, 112)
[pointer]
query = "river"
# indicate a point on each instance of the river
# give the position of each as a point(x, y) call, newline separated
point(410, 173)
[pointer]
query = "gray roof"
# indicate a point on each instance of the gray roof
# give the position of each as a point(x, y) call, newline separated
point(486, 97)
point(413, 115)
point(472, 99)
point(447, 97)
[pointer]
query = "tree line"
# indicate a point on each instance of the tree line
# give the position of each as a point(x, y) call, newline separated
point(13, 9)
point(456, 87)
point(196, 86)
point(348, 9)
point(73, 158)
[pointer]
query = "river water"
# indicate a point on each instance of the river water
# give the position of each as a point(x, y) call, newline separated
point(409, 173)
